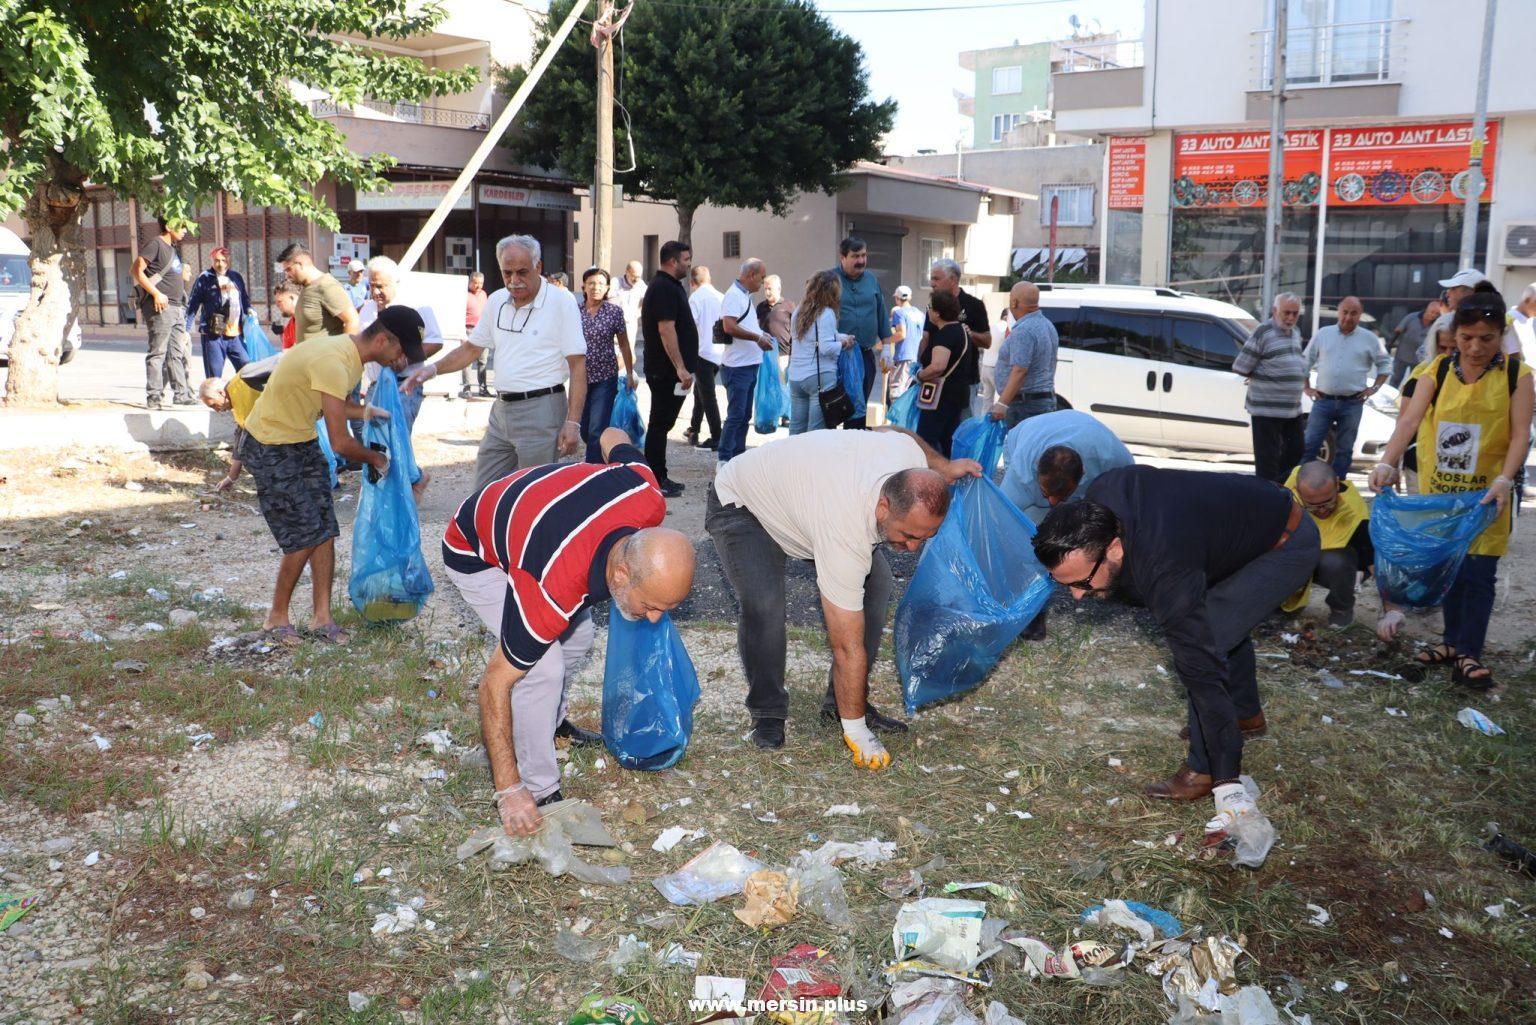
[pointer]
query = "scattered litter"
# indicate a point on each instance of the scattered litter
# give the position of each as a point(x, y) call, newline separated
point(402, 919)
point(1492, 911)
point(866, 854)
point(662, 920)
point(1504, 847)
point(997, 1014)
point(1140, 918)
point(722, 993)
point(1290, 638)
point(771, 899)
point(92, 859)
point(1398, 712)
point(821, 890)
point(118, 574)
point(674, 835)
point(803, 973)
point(720, 870)
point(1198, 972)
point(440, 741)
point(1472, 719)
point(602, 1009)
point(1329, 680)
point(1160, 670)
point(1115, 763)
point(46, 606)
point(929, 1000)
point(842, 809)
point(358, 1002)
point(629, 950)
point(14, 905)
point(241, 901)
point(317, 721)
point(198, 914)
point(565, 823)
point(1327, 720)
point(152, 628)
point(1250, 1006)
point(102, 743)
point(1020, 814)
point(998, 890)
point(91, 637)
point(1320, 916)
point(1447, 933)
point(1339, 985)
point(1374, 672)
point(943, 932)
point(900, 887)
point(156, 594)
point(1250, 835)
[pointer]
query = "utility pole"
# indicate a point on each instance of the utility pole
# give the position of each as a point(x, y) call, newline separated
point(1475, 181)
point(1275, 206)
point(603, 29)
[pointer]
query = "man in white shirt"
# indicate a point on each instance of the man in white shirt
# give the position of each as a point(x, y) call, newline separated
point(384, 291)
point(832, 498)
point(743, 357)
point(629, 293)
point(535, 332)
point(704, 303)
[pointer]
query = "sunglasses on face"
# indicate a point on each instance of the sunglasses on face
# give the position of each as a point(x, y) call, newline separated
point(1086, 584)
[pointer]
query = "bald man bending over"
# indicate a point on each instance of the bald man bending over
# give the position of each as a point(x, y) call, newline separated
point(832, 498)
point(1026, 366)
point(531, 553)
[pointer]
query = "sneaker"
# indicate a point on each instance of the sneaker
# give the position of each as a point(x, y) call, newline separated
point(1341, 619)
point(873, 717)
point(187, 400)
point(712, 444)
point(576, 735)
point(486, 393)
point(768, 734)
point(464, 392)
point(670, 488)
point(154, 404)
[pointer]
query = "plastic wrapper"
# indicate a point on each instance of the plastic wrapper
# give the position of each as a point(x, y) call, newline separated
point(980, 438)
point(390, 580)
point(903, 412)
point(649, 690)
point(977, 586)
point(771, 899)
point(1420, 541)
point(768, 404)
point(14, 905)
point(550, 847)
point(943, 932)
point(1248, 1006)
point(805, 975)
point(720, 870)
point(850, 374)
point(1140, 918)
point(821, 891)
point(1472, 719)
point(602, 1009)
point(257, 345)
point(930, 1001)
point(626, 414)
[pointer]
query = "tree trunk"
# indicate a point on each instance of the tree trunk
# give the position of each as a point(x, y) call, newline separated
point(53, 216)
point(685, 223)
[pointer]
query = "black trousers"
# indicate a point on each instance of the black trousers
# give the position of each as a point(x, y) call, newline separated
point(1277, 444)
point(706, 403)
point(665, 405)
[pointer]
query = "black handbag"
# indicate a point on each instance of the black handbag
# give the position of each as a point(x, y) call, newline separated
point(836, 405)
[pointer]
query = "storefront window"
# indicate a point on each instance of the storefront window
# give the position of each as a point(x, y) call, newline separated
point(1122, 256)
point(1220, 253)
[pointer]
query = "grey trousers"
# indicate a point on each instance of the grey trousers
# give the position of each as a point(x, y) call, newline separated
point(170, 349)
point(519, 434)
point(538, 699)
point(754, 566)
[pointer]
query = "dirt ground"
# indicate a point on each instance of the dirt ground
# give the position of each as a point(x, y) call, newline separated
point(299, 776)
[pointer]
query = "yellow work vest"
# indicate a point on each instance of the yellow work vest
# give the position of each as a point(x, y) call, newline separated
point(1335, 531)
point(1464, 439)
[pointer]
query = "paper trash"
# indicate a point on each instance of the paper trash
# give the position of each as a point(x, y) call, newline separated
point(944, 932)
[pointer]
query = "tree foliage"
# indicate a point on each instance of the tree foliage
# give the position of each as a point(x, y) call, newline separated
point(745, 104)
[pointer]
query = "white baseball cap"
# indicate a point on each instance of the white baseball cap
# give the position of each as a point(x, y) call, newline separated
point(1469, 278)
point(356, 264)
point(903, 292)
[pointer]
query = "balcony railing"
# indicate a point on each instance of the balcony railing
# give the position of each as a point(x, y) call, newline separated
point(405, 113)
point(1111, 53)
point(1343, 53)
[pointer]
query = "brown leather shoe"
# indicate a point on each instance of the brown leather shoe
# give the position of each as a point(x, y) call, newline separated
point(1184, 785)
point(1254, 726)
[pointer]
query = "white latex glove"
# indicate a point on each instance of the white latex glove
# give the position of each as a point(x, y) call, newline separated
point(1382, 476)
point(1388, 625)
point(868, 752)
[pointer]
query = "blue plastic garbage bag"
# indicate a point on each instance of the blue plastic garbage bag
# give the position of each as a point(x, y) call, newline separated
point(850, 374)
point(326, 450)
point(977, 586)
point(626, 414)
point(649, 690)
point(768, 405)
point(903, 412)
point(257, 345)
point(390, 581)
point(1420, 541)
point(980, 438)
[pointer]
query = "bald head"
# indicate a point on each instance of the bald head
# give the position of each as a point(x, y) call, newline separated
point(1023, 299)
point(912, 507)
point(650, 572)
point(699, 275)
point(1318, 488)
point(1349, 314)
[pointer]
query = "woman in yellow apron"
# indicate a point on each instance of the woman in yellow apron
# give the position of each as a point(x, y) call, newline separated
point(1471, 412)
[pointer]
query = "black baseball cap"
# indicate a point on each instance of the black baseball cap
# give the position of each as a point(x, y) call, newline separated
point(405, 324)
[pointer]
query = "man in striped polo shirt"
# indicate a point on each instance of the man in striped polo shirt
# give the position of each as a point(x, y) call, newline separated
point(531, 553)
point(1272, 362)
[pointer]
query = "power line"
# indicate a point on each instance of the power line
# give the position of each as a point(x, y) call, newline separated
point(929, 8)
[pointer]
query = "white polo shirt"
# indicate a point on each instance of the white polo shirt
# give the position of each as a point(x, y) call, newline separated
point(430, 332)
point(530, 345)
point(738, 304)
point(705, 306)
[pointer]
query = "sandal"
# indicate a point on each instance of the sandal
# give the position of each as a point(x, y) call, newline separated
point(286, 636)
point(1439, 655)
point(1471, 674)
point(330, 633)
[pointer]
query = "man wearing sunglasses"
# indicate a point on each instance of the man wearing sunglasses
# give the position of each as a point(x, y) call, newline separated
point(1211, 555)
point(1344, 525)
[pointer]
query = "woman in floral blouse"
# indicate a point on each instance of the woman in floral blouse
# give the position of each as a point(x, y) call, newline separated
point(602, 323)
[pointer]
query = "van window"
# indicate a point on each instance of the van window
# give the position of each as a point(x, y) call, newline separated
point(1202, 343)
point(15, 273)
point(1064, 320)
point(1121, 333)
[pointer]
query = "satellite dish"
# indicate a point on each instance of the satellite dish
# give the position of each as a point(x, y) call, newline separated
point(1072, 20)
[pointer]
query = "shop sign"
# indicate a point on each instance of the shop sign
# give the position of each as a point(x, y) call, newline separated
point(346, 248)
point(1230, 170)
point(1406, 165)
point(1127, 173)
point(411, 196)
point(538, 199)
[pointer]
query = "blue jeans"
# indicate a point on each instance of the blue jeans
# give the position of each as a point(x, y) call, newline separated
point(597, 414)
point(1469, 604)
point(410, 401)
point(1342, 416)
point(805, 405)
point(217, 348)
point(740, 387)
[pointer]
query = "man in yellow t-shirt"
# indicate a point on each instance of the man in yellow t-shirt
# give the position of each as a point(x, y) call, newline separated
point(1343, 523)
point(237, 396)
point(282, 451)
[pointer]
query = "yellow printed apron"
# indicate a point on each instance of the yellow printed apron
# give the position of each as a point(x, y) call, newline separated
point(1335, 531)
point(1463, 441)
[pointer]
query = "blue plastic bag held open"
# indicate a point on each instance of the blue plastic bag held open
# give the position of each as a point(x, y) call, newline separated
point(850, 374)
point(649, 690)
point(626, 414)
point(257, 345)
point(390, 581)
point(324, 437)
point(1420, 541)
point(768, 405)
point(903, 412)
point(980, 438)
point(977, 586)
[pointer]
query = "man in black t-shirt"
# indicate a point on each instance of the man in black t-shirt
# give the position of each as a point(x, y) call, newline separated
point(944, 276)
point(161, 295)
point(671, 354)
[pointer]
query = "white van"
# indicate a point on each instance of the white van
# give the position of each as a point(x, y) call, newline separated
point(16, 289)
point(1155, 365)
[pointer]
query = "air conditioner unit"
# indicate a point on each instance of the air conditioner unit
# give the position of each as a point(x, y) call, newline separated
point(1519, 248)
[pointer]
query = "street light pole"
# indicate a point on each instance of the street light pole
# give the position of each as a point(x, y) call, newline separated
point(1275, 205)
point(602, 173)
point(1475, 181)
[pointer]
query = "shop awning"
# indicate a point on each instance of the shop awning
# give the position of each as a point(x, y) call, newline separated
point(1031, 263)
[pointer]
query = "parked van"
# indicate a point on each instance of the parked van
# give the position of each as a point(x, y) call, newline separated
point(16, 289)
point(1155, 365)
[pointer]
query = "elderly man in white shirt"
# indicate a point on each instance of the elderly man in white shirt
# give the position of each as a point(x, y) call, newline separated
point(534, 330)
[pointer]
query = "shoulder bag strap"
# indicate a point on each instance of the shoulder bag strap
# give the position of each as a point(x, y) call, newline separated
point(954, 364)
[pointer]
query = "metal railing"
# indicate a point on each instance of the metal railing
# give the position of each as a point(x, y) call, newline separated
point(1101, 56)
point(1341, 53)
point(406, 113)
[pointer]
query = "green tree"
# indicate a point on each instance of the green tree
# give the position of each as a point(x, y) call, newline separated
point(171, 102)
point(742, 104)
